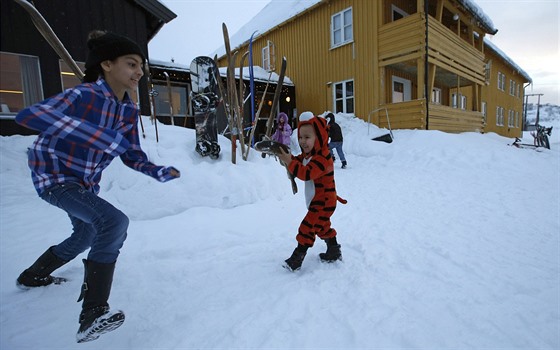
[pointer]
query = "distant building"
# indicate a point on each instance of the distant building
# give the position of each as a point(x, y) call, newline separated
point(30, 70)
point(424, 61)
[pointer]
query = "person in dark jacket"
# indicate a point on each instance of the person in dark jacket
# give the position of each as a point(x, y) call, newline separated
point(81, 131)
point(336, 139)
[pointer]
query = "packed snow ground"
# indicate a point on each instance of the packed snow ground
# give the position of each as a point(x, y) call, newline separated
point(449, 241)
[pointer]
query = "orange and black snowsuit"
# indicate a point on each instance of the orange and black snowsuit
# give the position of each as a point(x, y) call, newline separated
point(317, 170)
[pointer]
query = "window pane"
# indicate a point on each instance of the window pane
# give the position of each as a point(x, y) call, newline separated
point(339, 106)
point(349, 88)
point(348, 17)
point(20, 85)
point(350, 105)
point(348, 33)
point(338, 91)
point(336, 22)
point(337, 37)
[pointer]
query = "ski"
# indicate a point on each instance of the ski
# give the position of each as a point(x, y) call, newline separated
point(256, 117)
point(45, 29)
point(251, 84)
point(152, 92)
point(230, 78)
point(276, 99)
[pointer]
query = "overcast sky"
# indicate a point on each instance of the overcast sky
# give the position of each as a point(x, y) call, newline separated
point(528, 32)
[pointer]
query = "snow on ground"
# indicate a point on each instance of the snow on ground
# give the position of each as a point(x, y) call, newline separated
point(449, 241)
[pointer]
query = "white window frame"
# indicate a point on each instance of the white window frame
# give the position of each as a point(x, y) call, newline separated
point(463, 100)
point(511, 115)
point(407, 88)
point(460, 102)
point(501, 81)
point(17, 94)
point(436, 96)
point(488, 71)
point(484, 110)
point(499, 116)
point(345, 33)
point(512, 87)
point(268, 56)
point(346, 97)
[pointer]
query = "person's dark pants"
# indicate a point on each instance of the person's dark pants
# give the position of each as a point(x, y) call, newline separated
point(96, 223)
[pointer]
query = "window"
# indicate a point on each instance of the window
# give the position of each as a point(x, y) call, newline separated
point(178, 97)
point(512, 87)
point(518, 90)
point(488, 69)
point(344, 96)
point(501, 81)
point(511, 115)
point(401, 89)
point(67, 76)
point(460, 102)
point(21, 84)
point(341, 28)
point(436, 96)
point(397, 13)
point(499, 116)
point(463, 102)
point(517, 123)
point(268, 61)
point(483, 109)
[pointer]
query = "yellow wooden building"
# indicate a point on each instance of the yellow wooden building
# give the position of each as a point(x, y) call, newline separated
point(427, 63)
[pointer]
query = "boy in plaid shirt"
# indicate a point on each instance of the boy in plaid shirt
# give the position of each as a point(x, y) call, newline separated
point(81, 131)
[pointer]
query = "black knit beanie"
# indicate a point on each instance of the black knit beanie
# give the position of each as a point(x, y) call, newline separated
point(108, 47)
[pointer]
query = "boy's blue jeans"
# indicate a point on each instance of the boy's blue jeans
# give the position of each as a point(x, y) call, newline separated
point(97, 224)
point(338, 147)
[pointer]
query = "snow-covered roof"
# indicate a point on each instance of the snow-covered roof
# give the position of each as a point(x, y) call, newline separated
point(483, 20)
point(171, 65)
point(259, 73)
point(277, 12)
point(508, 60)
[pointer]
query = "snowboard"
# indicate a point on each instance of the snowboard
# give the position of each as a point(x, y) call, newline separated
point(205, 100)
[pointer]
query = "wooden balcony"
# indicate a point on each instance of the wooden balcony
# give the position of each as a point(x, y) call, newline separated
point(412, 115)
point(404, 40)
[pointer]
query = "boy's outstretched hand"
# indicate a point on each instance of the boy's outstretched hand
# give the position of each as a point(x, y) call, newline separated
point(285, 157)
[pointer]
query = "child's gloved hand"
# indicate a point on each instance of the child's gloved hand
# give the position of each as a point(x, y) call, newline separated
point(285, 157)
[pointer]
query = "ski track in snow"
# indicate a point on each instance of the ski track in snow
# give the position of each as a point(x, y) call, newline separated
point(448, 241)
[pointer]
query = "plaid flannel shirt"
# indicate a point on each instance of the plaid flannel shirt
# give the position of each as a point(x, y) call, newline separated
point(81, 130)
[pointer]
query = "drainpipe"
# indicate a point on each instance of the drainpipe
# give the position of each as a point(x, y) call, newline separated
point(426, 66)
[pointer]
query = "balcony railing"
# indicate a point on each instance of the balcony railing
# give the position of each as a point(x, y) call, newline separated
point(404, 40)
point(412, 115)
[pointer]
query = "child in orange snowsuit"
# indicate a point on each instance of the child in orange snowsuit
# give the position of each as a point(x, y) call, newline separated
point(314, 166)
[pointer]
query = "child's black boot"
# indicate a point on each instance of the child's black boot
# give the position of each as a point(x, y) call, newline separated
point(293, 263)
point(96, 317)
point(344, 164)
point(333, 251)
point(39, 274)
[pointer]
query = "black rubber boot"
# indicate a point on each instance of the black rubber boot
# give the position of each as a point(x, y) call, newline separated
point(96, 317)
point(293, 263)
point(39, 274)
point(344, 164)
point(333, 251)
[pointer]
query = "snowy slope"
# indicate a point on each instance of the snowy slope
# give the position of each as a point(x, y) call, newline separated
point(449, 241)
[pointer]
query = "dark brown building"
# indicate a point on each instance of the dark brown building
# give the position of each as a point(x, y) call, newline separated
point(30, 70)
